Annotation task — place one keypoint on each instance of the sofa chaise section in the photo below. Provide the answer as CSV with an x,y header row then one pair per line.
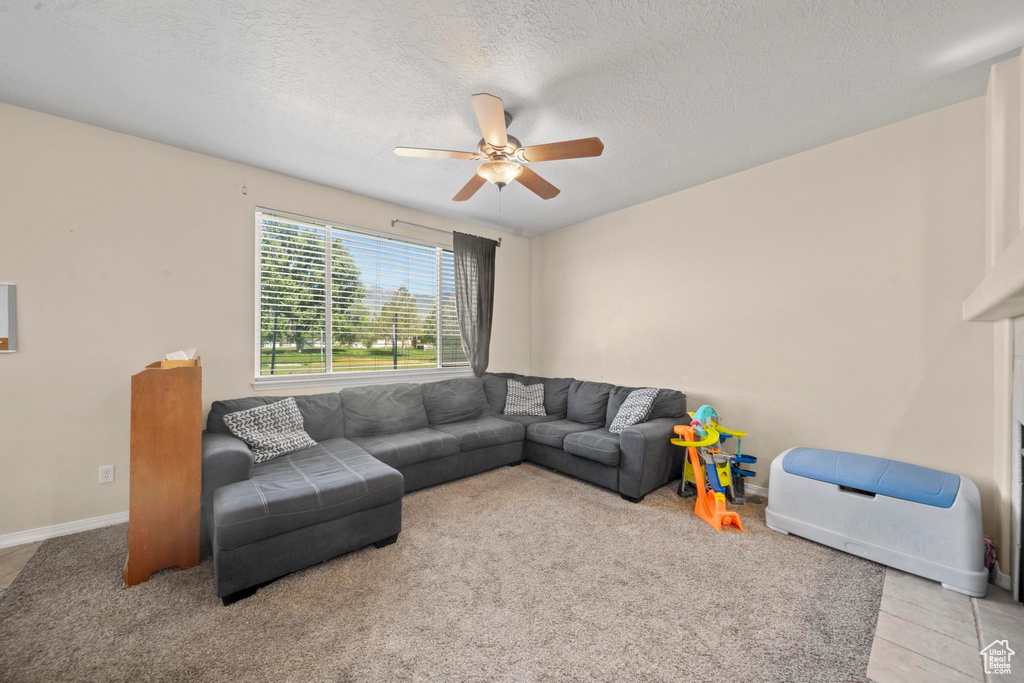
x,y
300,509
227,459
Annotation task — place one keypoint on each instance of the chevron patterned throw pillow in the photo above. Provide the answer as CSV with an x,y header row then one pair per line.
x,y
524,400
271,430
633,410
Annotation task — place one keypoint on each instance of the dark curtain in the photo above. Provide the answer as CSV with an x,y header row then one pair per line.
x,y
474,296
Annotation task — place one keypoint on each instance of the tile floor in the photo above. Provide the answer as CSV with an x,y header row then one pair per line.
x,y
12,560
927,633
924,632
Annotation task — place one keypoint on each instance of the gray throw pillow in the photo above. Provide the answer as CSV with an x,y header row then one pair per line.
x,y
634,409
271,430
524,400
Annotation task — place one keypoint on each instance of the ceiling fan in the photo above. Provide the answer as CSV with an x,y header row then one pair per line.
x,y
504,156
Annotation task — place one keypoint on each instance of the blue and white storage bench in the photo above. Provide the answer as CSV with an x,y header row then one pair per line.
x,y
913,518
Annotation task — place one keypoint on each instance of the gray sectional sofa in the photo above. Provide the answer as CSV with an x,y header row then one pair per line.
x,y
376,443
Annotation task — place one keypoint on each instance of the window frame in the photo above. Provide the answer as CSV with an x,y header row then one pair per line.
x,y
330,377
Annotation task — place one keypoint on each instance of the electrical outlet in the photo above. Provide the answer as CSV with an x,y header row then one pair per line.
x,y
107,474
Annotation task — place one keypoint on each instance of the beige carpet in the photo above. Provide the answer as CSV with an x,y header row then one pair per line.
x,y
519,574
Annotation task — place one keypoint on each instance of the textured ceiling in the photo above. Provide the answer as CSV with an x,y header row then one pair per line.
x,y
680,92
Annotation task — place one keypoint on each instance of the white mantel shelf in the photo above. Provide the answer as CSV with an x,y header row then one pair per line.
x,y
1001,294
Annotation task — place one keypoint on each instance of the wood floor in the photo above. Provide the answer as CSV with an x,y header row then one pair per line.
x,y
927,633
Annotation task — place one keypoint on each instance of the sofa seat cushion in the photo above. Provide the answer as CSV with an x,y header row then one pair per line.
x,y
554,432
409,448
331,480
527,420
483,432
598,445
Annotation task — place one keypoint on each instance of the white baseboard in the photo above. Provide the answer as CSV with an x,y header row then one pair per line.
x,y
756,490
45,532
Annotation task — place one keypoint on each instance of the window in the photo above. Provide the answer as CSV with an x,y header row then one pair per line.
x,y
336,300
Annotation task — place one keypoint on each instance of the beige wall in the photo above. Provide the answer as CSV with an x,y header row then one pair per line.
x,y
122,250
813,301
843,269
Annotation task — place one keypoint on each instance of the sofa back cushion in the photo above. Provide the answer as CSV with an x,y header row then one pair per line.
x,y
496,389
270,431
556,393
455,400
383,409
588,402
322,416
636,408
615,398
669,403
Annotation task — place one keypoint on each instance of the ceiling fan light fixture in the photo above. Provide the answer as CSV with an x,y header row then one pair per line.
x,y
504,156
500,172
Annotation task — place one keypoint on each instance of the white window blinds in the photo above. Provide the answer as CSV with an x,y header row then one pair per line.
x,y
391,301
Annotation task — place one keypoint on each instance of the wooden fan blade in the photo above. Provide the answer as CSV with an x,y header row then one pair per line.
x,y
435,153
490,113
470,188
570,149
537,185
